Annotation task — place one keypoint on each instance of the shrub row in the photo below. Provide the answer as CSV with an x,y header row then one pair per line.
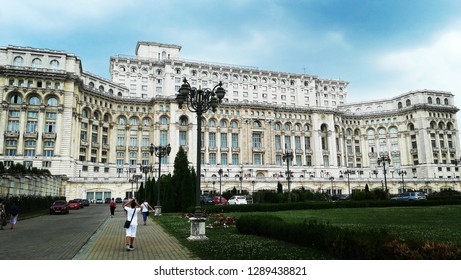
x,y
344,243
273,207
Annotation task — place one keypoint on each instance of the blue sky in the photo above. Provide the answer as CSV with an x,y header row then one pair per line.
x,y
383,48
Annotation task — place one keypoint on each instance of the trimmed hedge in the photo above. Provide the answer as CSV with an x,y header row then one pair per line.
x,y
274,207
344,243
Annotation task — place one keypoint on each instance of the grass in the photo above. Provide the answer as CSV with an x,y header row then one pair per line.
x,y
437,223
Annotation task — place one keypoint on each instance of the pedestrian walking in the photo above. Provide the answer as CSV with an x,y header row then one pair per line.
x,y
145,210
3,220
14,212
132,212
112,207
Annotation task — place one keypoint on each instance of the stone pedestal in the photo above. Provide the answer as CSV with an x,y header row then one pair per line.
x,y
197,229
158,210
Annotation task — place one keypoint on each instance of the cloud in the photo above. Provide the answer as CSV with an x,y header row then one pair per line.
x,y
434,65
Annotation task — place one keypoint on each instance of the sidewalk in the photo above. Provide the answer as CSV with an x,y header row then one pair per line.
x,y
151,242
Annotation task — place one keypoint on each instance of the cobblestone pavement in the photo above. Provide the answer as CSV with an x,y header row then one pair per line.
x,y
151,243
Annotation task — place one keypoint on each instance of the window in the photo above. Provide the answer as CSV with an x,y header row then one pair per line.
x,y
36,62
235,159
212,139
256,140
18,61
34,100
224,159
223,140
235,140
182,138
212,158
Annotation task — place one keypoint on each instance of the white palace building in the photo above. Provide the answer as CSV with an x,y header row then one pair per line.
x,y
97,132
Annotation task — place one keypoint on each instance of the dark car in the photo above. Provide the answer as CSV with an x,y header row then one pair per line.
x,y
118,200
59,207
206,200
107,200
86,202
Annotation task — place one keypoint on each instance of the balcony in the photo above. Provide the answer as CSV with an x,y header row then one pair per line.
x,y
258,149
95,145
414,151
298,151
236,149
84,143
49,135
133,148
32,134
12,134
224,149
212,149
120,148
105,146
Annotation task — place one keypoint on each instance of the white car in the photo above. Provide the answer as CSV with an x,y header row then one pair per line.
x,y
238,199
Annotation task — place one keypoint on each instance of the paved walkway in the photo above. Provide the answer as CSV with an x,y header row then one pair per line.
x,y
151,243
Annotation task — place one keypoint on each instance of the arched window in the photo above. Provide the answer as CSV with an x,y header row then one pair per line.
x,y
445,101
85,113
18,61
408,102
133,121
212,123
437,100
101,88
287,126
234,124
371,132
106,118
223,123
96,115
37,63
256,124
163,120
399,105
15,99
146,121
277,126
34,100
52,102
411,127
54,64
121,120
429,100
183,120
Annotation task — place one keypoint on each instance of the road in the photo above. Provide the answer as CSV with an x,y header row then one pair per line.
x,y
52,237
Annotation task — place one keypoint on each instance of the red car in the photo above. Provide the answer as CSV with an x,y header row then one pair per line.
x,y
219,200
59,206
74,204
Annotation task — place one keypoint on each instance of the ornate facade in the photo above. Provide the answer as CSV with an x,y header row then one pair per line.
x,y
97,132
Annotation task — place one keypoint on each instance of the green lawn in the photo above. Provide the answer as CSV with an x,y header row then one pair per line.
x,y
438,223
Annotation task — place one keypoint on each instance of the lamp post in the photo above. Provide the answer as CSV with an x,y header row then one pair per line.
x,y
241,179
199,101
332,179
402,173
159,151
287,156
220,191
214,182
253,182
348,172
146,169
134,179
383,159
131,180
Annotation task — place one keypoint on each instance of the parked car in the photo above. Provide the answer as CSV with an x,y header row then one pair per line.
x,y
59,206
206,200
86,202
118,200
219,200
98,201
107,200
74,204
410,196
238,199
80,201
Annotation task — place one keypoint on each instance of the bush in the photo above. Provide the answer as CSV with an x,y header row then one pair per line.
x,y
345,243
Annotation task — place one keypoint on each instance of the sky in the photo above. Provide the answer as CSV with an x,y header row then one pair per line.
x,y
383,48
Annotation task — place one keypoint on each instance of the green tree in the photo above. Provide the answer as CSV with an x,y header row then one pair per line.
x,y
183,183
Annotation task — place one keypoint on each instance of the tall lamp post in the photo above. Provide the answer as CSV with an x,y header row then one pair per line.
x,y
241,179
199,101
383,159
287,156
402,173
134,179
146,169
220,191
159,151
332,179
348,172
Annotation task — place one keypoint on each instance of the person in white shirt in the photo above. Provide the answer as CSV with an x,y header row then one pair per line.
x,y
145,210
132,212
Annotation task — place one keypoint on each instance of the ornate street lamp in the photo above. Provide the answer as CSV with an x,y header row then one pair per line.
x,y
220,191
134,179
402,173
241,179
159,151
332,179
199,101
348,172
146,169
383,159
287,156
